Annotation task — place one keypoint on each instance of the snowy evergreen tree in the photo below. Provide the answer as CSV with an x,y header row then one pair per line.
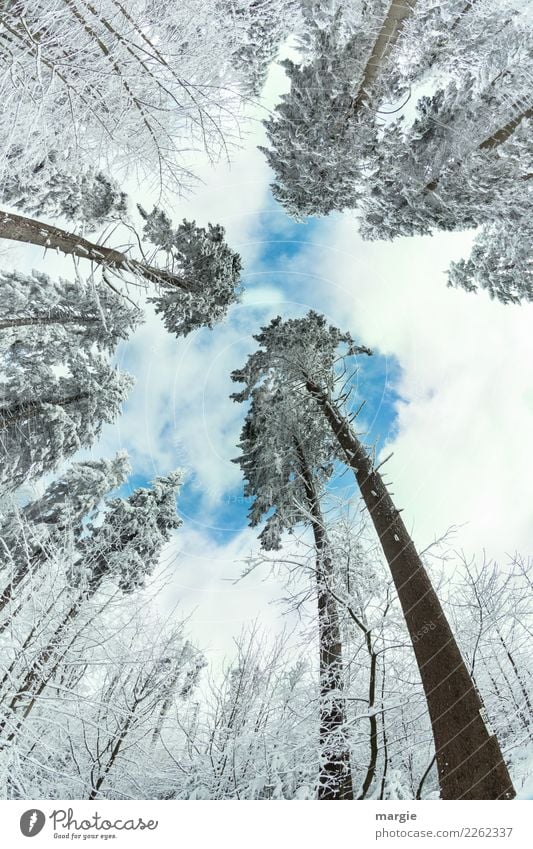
x,y
262,26
207,273
54,189
61,313
32,534
196,284
323,130
128,542
300,355
463,161
125,547
500,262
46,416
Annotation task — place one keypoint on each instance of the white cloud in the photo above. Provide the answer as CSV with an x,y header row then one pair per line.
x,y
200,577
466,416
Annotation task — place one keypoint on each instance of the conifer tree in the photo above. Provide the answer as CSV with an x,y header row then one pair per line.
x,y
287,459
61,312
299,356
31,534
195,285
204,271
124,548
46,416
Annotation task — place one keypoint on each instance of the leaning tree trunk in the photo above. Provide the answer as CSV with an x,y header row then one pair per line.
x,y
399,12
48,319
18,228
469,759
335,781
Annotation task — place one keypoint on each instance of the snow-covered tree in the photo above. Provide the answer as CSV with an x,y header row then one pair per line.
x,y
254,734
286,460
323,130
262,26
299,355
205,269
314,134
47,415
142,84
195,285
500,262
420,123
54,189
123,548
121,683
60,311
30,535
463,162
128,542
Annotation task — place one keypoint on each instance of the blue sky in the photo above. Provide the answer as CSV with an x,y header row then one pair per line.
x,y
273,262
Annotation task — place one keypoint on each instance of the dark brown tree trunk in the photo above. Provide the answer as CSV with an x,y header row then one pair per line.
x,y
469,760
335,781
384,734
18,228
37,674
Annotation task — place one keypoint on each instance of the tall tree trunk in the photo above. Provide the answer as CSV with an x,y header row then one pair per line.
x,y
469,759
384,738
18,228
49,318
335,780
399,12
